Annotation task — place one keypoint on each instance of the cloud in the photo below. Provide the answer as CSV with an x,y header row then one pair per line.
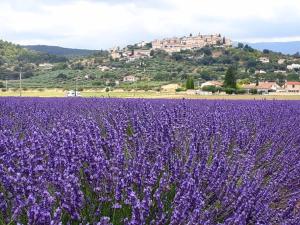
x,y
103,24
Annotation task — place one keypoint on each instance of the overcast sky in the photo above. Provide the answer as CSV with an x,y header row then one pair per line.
x,y
101,24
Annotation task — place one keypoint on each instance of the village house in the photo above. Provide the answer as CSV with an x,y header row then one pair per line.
x,y
280,71
87,62
292,86
127,53
46,66
264,59
212,83
281,61
260,72
130,78
217,54
266,87
139,53
142,44
115,53
293,66
262,87
32,66
136,54
103,68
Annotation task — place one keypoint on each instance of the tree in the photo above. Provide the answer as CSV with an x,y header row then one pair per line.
x,y
248,48
152,53
256,80
224,40
1,85
297,55
205,75
207,51
190,83
2,60
281,79
62,76
251,63
177,56
251,70
230,77
148,45
240,45
293,77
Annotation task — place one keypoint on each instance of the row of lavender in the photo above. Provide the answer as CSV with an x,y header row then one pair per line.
x,y
114,161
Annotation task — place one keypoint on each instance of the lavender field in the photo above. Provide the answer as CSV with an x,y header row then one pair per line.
x,y
125,161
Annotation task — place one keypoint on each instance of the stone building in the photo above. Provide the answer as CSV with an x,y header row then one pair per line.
x,y
192,42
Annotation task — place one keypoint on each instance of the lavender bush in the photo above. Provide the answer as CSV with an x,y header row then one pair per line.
x,y
114,161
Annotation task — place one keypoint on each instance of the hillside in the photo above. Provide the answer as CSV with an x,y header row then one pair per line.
x,y
13,58
152,72
11,53
283,47
151,68
60,51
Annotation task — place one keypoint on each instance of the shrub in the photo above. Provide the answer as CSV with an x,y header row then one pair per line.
x,y
240,91
230,90
62,76
97,83
253,91
211,88
180,89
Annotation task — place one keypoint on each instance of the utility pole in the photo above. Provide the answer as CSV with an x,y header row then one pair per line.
x,y
6,84
20,82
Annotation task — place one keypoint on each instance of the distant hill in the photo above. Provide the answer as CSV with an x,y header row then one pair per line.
x,y
14,57
11,53
60,51
283,47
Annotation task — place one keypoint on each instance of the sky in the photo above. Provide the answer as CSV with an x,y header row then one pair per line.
x,y
102,24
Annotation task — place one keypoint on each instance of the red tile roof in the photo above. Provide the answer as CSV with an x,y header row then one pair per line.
x,y
265,85
293,83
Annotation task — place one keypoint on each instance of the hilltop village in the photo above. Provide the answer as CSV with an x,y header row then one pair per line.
x,y
191,42
171,45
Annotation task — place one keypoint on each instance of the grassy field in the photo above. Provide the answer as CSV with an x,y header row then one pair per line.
x,y
141,94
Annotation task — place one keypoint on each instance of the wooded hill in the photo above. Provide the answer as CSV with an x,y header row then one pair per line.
x,y
59,51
